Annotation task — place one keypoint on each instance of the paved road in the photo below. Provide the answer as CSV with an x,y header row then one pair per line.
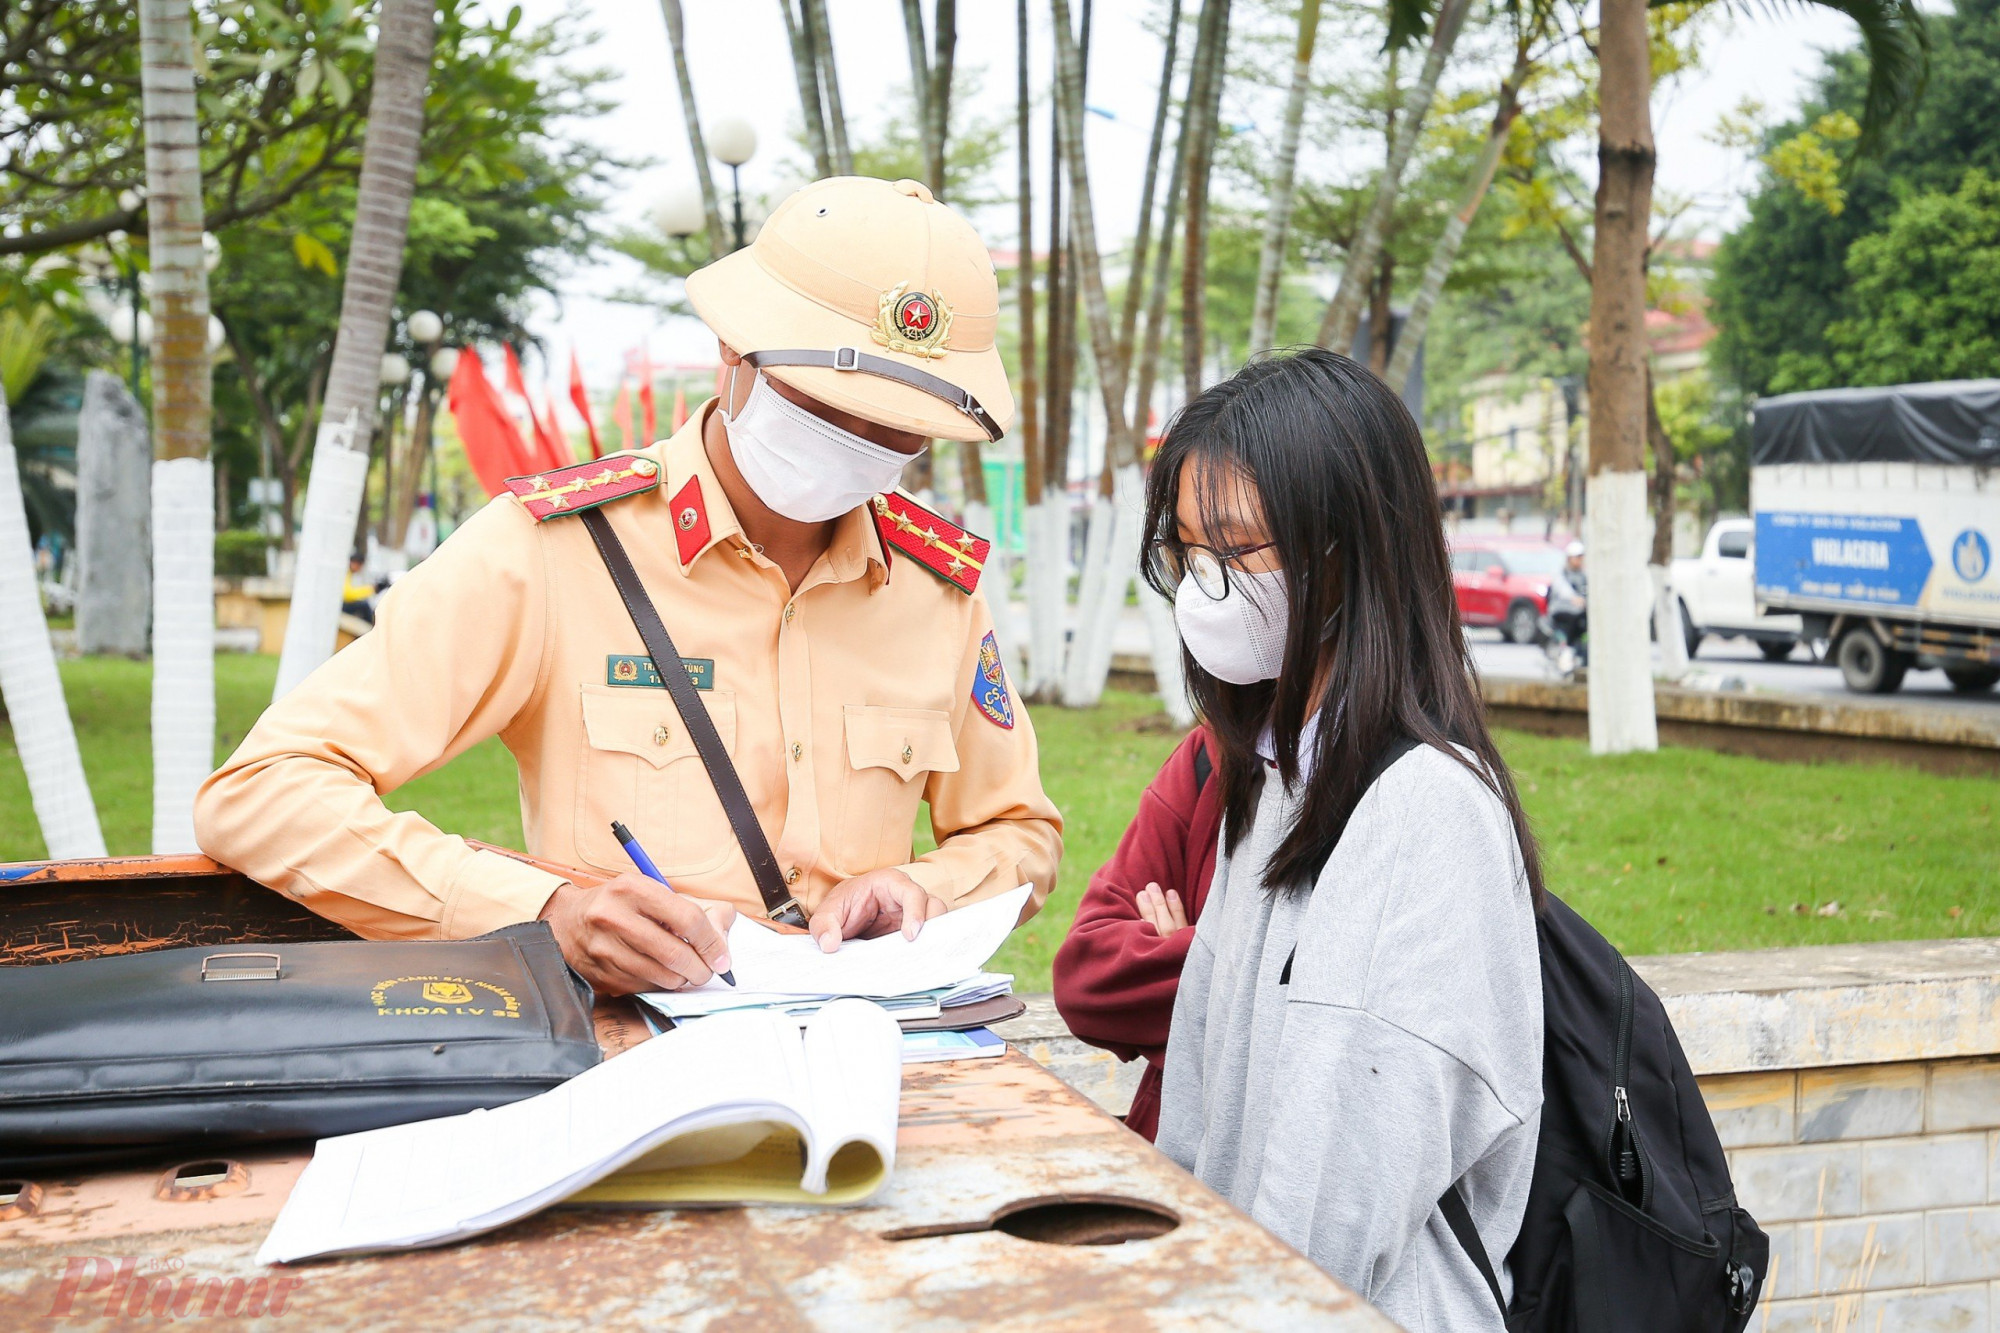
x,y
1718,658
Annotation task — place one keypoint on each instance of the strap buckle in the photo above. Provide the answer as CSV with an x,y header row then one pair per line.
x,y
238,967
847,358
789,913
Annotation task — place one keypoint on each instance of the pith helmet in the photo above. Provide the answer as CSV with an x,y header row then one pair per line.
x,y
872,297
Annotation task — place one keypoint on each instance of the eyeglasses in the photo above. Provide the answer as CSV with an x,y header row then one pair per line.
x,y
1209,565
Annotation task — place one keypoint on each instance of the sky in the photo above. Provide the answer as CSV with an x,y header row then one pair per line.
x,y
741,67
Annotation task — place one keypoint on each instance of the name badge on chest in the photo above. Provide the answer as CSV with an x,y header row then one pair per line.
x,y
637,669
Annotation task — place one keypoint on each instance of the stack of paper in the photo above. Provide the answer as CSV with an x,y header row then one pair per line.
x,y
939,970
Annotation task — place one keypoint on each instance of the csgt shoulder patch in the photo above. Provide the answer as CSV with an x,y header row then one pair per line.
x,y
989,685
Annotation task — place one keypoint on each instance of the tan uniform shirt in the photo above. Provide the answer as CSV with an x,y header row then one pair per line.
x,y
843,705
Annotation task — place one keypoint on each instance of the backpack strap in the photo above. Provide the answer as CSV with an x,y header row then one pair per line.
x,y
1459,1218
779,904
1204,765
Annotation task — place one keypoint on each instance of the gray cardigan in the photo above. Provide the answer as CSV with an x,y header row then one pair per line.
x,y
1404,1054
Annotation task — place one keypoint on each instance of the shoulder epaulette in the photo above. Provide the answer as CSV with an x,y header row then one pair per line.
x,y
581,486
932,540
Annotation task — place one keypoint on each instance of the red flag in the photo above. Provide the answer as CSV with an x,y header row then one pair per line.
x,y
621,412
492,441
544,448
646,394
581,400
680,407
548,434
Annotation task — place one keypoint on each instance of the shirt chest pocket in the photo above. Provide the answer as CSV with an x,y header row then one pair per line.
x,y
891,752
639,765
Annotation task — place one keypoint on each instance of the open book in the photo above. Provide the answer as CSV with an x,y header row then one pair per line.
x,y
741,1107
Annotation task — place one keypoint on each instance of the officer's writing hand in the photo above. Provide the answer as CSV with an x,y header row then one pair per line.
x,y
1162,911
870,905
631,934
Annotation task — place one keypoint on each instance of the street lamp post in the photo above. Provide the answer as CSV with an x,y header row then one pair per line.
x,y
734,142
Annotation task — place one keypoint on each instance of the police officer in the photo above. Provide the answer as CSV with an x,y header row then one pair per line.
x,y
834,634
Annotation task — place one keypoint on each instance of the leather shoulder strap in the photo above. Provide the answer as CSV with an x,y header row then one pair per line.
x,y
778,901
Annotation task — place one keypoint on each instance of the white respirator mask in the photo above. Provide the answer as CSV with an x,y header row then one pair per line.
x,y
1241,638
801,465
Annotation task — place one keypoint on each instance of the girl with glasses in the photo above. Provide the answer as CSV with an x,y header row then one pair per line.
x,y
1358,1027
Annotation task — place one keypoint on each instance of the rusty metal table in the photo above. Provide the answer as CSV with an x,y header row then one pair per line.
x,y
1015,1203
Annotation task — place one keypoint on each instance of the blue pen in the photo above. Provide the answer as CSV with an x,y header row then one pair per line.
x,y
649,870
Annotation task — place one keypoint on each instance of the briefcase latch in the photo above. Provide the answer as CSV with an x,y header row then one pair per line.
x,y
240,967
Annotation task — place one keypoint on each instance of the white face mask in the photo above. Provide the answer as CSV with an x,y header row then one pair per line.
x,y
1240,639
803,466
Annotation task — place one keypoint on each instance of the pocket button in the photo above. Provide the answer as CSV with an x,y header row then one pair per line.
x,y
907,752
661,735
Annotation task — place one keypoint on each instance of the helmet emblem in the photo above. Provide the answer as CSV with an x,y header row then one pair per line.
x,y
916,323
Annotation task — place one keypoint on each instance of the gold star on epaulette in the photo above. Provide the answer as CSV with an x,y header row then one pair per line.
x,y
965,541
930,537
558,501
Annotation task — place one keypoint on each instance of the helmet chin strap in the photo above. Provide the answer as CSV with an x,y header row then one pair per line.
x,y
853,359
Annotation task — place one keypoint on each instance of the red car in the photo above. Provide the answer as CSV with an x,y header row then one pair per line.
x,y
1504,582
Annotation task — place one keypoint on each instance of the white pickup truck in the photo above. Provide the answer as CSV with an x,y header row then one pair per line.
x,y
1717,592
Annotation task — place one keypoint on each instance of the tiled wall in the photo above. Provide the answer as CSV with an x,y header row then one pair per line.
x,y
1880,1187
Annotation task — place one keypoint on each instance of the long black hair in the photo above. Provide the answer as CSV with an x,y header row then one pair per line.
x,y
1374,645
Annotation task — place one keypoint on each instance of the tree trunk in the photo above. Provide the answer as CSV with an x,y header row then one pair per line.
x,y
711,204
183,500
1381,318
1343,313
1278,213
1621,679
30,686
829,78
938,104
339,478
1135,286
1198,143
1662,445
805,68
920,73
1445,252
1044,613
410,478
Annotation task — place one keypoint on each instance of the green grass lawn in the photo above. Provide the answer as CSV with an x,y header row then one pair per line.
x,y
1665,852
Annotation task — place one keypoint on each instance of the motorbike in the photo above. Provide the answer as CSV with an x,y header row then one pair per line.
x,y
1566,629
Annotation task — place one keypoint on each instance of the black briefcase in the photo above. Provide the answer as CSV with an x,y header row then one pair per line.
x,y
195,1050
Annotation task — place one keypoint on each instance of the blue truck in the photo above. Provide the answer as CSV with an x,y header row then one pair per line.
x,y
1877,516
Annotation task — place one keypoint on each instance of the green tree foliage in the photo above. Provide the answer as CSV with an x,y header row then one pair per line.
x,y
507,192
1783,280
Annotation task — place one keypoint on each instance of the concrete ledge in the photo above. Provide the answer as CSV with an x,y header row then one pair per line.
x,y
1770,726
1829,1005
1736,1013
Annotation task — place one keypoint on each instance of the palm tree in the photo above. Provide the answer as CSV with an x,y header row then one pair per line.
x,y
711,205
30,684
1211,53
805,69
1478,181
1343,313
1116,529
183,482
829,77
1278,215
406,36
1621,688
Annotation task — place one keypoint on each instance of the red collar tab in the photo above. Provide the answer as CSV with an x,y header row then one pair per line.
x,y
933,541
690,514
581,486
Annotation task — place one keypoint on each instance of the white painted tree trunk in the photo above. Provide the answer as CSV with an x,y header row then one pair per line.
x,y
31,685
1091,624
1667,624
183,503
1619,537
407,36
1165,640
1044,611
996,582
183,645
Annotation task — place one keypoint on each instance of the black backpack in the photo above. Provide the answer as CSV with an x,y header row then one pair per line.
x,y
1632,1224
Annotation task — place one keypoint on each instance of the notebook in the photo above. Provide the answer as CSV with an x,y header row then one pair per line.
x,y
920,1048
741,1107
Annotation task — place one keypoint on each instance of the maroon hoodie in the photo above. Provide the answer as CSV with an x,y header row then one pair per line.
x,y
1115,979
